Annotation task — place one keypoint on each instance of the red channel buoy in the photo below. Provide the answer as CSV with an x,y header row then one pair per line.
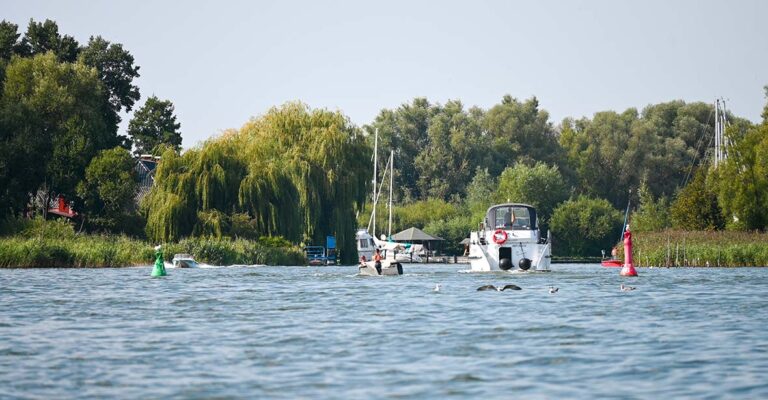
x,y
628,269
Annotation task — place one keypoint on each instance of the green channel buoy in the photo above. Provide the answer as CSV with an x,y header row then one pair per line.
x,y
159,269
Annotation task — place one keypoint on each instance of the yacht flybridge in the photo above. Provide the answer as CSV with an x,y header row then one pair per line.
x,y
509,239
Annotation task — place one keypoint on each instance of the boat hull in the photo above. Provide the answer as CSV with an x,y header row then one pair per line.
x,y
612,263
185,264
388,268
486,256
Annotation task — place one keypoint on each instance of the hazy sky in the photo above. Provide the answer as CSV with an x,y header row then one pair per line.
x,y
222,62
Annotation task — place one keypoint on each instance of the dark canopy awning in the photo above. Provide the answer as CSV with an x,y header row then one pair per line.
x,y
414,235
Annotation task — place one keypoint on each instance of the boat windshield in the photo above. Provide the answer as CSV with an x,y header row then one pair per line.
x,y
512,217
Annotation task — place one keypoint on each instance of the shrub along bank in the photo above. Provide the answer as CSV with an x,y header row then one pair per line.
x,y
119,251
53,243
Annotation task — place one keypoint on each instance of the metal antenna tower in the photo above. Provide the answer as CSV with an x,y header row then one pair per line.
x,y
721,141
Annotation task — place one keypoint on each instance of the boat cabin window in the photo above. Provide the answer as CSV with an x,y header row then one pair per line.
x,y
365,243
511,217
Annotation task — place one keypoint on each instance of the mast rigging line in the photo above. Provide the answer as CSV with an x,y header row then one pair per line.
x,y
376,199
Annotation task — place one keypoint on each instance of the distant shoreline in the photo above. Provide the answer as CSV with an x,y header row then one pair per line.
x,y
108,251
651,249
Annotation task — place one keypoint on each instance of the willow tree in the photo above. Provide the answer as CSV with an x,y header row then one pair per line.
x,y
296,172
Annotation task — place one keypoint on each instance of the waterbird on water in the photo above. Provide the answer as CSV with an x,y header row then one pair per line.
x,y
626,288
491,287
437,287
553,290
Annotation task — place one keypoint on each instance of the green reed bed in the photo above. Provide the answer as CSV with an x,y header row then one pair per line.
x,y
118,251
700,249
77,251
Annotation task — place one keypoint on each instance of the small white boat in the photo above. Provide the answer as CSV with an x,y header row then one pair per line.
x,y
182,260
389,266
389,263
509,239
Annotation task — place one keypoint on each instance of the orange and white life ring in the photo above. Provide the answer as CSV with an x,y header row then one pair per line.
x,y
500,236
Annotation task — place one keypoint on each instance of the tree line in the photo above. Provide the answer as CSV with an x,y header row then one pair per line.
x,y
581,173
60,106
303,173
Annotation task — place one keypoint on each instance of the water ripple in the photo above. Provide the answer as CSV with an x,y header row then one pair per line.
x,y
297,332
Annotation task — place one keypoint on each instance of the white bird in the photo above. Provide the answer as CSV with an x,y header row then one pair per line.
x,y
553,290
437,287
626,288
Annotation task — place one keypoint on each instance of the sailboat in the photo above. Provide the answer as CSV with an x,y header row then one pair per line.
x,y
613,262
367,244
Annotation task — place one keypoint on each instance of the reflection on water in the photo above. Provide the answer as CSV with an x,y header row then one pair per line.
x,y
288,332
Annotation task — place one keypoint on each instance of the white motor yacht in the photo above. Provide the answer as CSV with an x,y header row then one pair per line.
x,y
509,240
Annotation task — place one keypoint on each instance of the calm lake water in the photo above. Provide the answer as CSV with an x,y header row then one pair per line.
x,y
322,332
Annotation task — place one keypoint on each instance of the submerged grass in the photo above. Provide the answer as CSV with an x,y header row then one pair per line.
x,y
119,251
700,249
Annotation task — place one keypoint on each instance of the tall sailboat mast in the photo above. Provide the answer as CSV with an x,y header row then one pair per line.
x,y
391,182
375,172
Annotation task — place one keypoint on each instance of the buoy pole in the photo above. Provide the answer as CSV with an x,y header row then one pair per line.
x,y
159,269
628,269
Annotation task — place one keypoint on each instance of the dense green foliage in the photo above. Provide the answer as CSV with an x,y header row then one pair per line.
x,y
614,152
49,112
584,226
154,126
741,182
109,190
696,207
651,214
59,108
519,131
540,186
647,157
431,139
